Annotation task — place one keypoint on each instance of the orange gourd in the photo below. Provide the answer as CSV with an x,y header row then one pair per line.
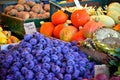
x,y
79,17
9,41
47,28
70,0
13,39
57,29
117,27
90,27
78,36
67,32
59,17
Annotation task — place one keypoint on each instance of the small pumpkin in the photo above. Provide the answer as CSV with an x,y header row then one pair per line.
x,y
47,28
117,27
106,20
78,36
79,17
90,27
57,29
67,32
114,15
115,6
59,17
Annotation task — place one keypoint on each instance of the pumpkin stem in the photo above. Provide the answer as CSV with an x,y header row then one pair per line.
x,y
65,24
68,22
97,19
80,27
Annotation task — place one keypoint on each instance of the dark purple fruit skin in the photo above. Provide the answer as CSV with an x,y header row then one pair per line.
x,y
38,57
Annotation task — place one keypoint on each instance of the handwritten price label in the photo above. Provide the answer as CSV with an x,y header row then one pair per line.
x,y
30,28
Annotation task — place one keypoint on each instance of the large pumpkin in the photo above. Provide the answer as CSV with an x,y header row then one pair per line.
x,y
78,36
90,27
57,29
67,32
79,17
47,28
59,17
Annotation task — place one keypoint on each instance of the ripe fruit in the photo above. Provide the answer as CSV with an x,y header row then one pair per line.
x,y
67,32
117,27
47,28
3,40
59,17
1,28
90,27
79,17
14,39
79,36
57,29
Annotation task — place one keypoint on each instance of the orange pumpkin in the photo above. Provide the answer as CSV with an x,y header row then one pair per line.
x,y
79,36
59,17
13,39
67,32
57,29
79,17
90,27
9,41
117,27
47,28
70,0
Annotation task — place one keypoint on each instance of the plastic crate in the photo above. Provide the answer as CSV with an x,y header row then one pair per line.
x,y
16,25
54,6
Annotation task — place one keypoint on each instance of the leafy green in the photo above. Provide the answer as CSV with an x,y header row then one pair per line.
x,y
113,62
117,50
117,73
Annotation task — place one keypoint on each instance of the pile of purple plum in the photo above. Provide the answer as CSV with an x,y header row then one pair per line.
x,y
38,57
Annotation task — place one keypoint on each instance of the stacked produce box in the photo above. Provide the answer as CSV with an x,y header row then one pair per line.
x,y
23,12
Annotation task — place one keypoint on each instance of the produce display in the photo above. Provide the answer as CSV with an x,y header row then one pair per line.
x,y
30,9
38,57
89,25
6,37
93,28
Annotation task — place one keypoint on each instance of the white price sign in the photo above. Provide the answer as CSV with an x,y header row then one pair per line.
x,y
30,28
101,69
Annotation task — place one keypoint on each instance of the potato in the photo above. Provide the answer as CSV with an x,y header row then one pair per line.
x,y
13,12
19,7
25,15
40,16
8,8
42,11
33,14
37,8
47,7
19,14
46,15
26,7
21,1
31,3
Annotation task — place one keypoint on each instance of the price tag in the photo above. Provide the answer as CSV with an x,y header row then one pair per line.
x,y
101,69
30,28
77,3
